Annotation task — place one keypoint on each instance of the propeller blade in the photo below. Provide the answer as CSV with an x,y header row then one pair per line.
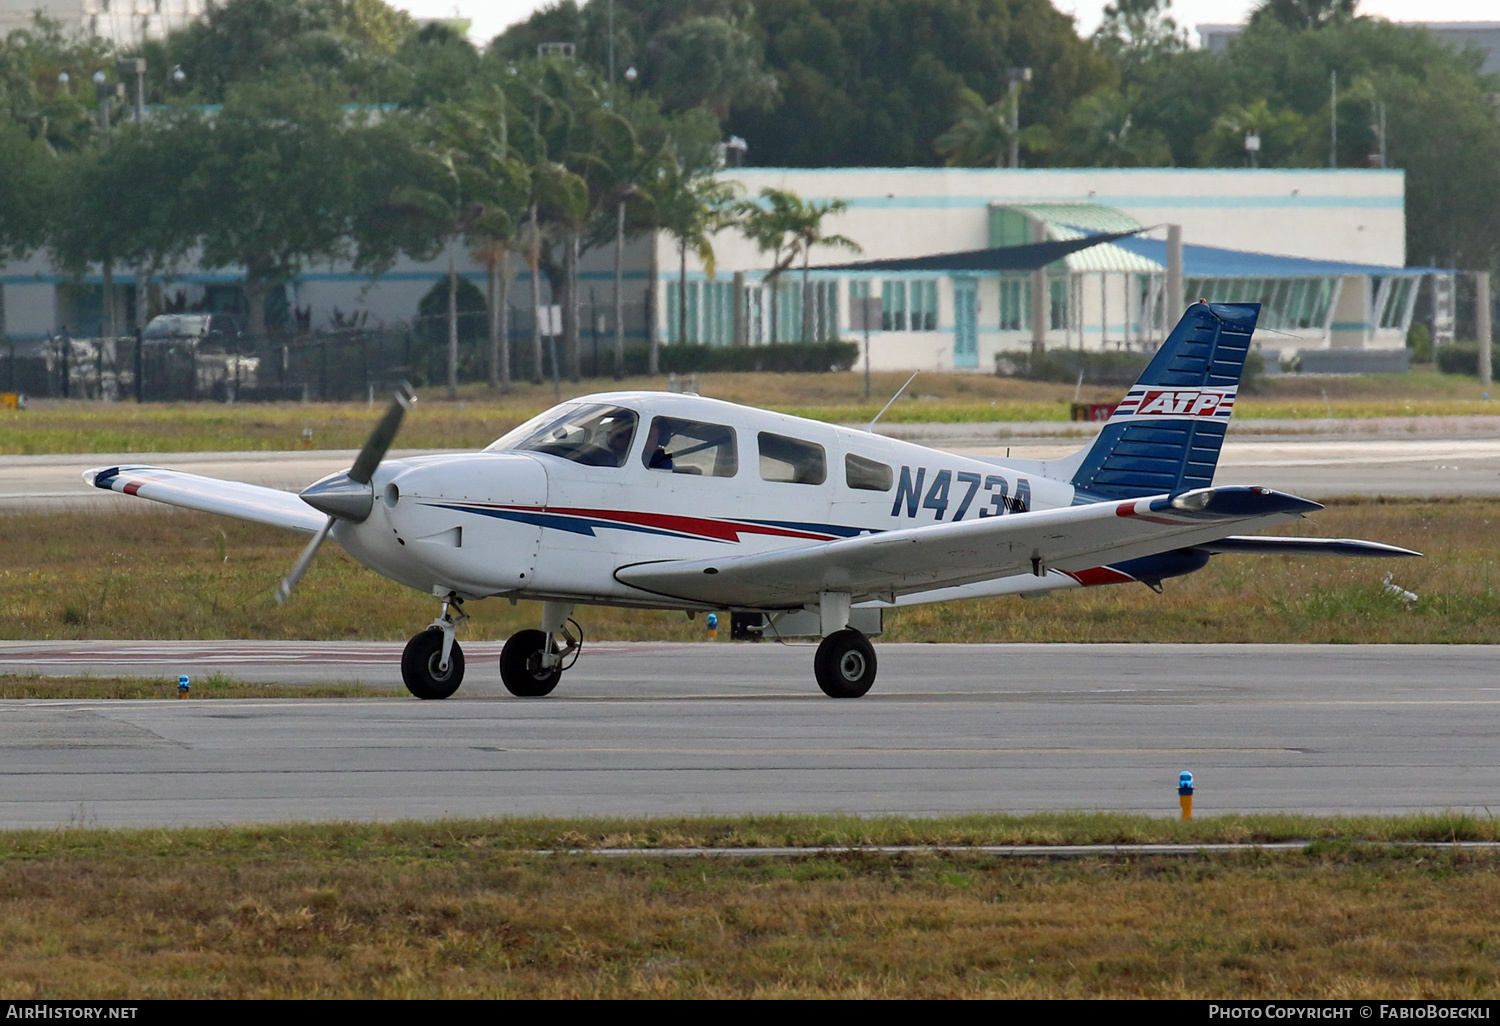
x,y
381,438
284,589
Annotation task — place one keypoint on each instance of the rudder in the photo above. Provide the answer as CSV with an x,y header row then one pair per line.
x,y
1166,434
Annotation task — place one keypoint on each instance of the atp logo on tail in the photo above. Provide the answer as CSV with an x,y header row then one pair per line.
x,y
1156,401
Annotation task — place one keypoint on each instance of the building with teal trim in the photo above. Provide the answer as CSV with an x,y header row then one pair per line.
x,y
1323,250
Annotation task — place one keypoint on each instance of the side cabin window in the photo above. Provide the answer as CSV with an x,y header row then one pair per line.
x,y
868,475
595,435
791,460
691,447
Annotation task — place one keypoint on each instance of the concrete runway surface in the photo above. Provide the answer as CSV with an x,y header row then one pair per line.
x,y
668,729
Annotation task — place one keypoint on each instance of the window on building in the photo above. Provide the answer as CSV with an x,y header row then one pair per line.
x,y
1397,292
909,305
1015,304
691,447
791,460
1286,303
867,475
1057,303
789,311
710,313
893,306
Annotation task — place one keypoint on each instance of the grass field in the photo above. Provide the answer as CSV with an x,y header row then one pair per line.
x,y
479,417
468,909
159,573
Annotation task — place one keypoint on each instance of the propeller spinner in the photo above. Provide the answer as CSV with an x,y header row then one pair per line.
x,y
348,495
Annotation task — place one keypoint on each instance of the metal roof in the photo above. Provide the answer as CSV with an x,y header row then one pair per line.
x,y
1067,221
1213,262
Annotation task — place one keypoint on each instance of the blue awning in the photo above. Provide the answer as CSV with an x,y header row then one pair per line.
x,y
1212,262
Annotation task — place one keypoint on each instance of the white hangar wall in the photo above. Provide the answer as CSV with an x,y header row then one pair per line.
x,y
1345,216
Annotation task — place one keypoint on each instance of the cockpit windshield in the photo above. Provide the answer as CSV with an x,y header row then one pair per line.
x,y
594,435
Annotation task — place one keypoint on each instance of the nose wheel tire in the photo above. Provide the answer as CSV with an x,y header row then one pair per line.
x,y
420,666
521,666
845,664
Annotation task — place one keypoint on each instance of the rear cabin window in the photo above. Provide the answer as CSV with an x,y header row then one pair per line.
x,y
595,435
791,460
691,447
868,475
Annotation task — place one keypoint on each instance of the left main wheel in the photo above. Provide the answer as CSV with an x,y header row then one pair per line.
x,y
420,666
845,664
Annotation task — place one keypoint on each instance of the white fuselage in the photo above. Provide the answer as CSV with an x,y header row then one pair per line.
x,y
529,524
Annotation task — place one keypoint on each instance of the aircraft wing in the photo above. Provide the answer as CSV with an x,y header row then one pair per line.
x,y
924,558
210,495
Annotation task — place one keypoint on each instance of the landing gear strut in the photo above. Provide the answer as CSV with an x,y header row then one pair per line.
x,y
532,662
433,664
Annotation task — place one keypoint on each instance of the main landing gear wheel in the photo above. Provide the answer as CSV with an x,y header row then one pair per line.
x,y
421,666
845,664
521,667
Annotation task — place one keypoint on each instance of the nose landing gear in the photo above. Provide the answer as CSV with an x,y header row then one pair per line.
x,y
432,666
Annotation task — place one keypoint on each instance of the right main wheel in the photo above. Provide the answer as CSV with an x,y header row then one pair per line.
x,y
521,666
845,664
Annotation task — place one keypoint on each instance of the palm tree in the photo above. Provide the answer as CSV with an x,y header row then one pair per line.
x,y
784,225
690,205
1103,132
981,137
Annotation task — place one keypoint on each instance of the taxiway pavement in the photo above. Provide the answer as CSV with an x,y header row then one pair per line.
x,y
1414,457
676,729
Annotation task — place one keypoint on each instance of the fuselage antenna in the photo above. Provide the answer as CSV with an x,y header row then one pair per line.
x,y
887,406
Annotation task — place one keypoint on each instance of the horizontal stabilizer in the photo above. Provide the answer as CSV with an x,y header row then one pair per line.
x,y
1306,547
255,503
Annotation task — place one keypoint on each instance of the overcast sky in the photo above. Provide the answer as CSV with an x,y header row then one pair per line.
x,y
490,17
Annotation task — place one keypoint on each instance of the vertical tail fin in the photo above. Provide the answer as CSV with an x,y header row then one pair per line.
x,y
1166,434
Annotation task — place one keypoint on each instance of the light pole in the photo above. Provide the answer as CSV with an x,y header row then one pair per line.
x,y
1016,76
625,194
135,66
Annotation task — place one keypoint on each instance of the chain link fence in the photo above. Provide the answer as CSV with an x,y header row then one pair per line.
x,y
342,364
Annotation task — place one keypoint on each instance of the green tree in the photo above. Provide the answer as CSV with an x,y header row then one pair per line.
x,y
353,44
981,137
1102,131
710,62
1304,15
45,82
876,83
280,184
1441,127
28,171
1282,135
124,203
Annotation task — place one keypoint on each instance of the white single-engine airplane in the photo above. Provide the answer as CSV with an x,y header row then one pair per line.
x,y
669,501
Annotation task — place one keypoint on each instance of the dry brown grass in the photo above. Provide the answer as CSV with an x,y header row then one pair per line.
x,y
156,573
449,910
480,416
